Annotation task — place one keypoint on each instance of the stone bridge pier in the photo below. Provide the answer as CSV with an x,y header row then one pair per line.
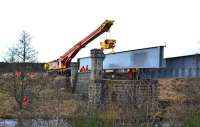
x,y
74,67
95,85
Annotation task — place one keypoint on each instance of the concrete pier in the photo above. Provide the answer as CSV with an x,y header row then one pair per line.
x,y
74,66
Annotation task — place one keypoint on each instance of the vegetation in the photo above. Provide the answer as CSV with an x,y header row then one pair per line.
x,y
89,116
193,120
20,85
182,103
22,52
90,122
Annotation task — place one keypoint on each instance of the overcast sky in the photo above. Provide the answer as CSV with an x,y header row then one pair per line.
x,y
57,25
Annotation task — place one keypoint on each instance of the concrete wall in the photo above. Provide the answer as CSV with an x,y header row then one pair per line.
x,y
82,83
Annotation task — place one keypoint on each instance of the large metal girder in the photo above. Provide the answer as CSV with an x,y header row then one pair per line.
x,y
152,57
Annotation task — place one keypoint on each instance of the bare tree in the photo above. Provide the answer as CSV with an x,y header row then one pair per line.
x,y
20,82
24,51
10,57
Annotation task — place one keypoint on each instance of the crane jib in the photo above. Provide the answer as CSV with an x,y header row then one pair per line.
x,y
64,61
84,42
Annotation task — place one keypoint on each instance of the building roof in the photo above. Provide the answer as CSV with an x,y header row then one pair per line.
x,y
183,56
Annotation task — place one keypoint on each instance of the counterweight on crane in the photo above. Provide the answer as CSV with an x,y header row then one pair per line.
x,y
62,63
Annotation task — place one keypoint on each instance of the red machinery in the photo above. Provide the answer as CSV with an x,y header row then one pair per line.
x,y
62,63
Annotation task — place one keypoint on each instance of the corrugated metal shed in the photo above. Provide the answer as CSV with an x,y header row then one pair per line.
x,y
188,61
176,67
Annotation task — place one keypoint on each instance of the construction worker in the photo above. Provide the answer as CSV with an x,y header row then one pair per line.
x,y
134,74
86,69
82,69
25,102
138,74
18,73
130,74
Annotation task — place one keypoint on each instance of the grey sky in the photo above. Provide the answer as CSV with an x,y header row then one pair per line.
x,y
57,25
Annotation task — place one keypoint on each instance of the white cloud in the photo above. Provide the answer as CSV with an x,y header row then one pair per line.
x,y
57,25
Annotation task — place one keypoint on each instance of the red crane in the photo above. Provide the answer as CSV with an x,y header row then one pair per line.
x,y
62,63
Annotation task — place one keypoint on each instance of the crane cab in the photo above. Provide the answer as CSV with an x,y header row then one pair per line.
x,y
46,66
108,44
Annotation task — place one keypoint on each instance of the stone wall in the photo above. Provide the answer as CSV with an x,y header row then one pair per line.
x,y
126,91
120,88
129,100
134,101
97,89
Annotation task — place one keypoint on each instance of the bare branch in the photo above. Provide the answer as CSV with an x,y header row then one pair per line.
x,y
23,51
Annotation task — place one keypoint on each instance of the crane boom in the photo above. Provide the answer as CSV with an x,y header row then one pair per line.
x,y
64,61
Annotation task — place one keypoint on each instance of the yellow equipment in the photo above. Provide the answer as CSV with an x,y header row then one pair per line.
x,y
46,66
108,44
